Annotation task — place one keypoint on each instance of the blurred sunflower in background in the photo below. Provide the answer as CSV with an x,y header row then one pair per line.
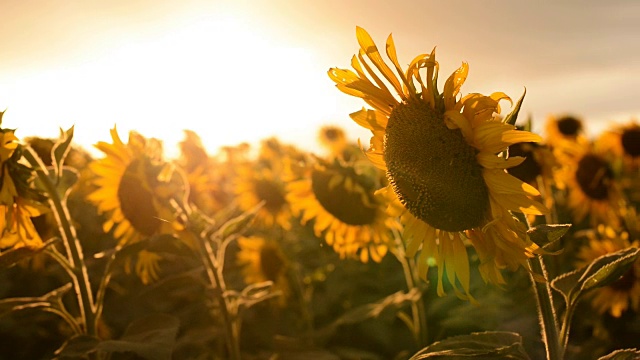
x,y
132,189
264,181
592,189
564,128
538,169
622,144
340,200
262,260
439,153
623,294
19,203
207,176
333,139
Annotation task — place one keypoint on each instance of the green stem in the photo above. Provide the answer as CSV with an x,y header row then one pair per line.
x,y
209,259
68,318
566,326
79,276
546,312
417,307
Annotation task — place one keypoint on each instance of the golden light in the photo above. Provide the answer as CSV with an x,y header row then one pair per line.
x,y
222,76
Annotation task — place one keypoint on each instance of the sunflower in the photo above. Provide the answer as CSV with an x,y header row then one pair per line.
x,y
263,260
538,169
564,128
341,201
207,177
264,181
8,146
19,203
439,152
256,185
333,139
622,142
131,192
590,183
617,297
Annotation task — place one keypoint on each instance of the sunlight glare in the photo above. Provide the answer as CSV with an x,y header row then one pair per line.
x,y
219,76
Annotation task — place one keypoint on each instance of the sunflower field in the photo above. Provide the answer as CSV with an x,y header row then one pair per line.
x,y
456,232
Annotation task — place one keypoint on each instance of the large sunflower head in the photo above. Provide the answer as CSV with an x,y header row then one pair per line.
x,y
590,183
261,260
624,293
132,190
341,201
440,154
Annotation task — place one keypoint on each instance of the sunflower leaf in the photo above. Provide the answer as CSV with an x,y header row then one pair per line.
x,y
151,337
512,117
622,354
77,347
545,234
600,272
238,223
10,257
485,345
60,150
358,314
163,243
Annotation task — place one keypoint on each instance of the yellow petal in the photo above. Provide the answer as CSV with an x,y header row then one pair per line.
x,y
453,85
370,49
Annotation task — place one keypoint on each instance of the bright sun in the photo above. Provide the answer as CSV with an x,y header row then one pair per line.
x,y
220,76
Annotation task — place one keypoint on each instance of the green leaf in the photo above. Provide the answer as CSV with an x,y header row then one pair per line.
x,y
158,244
485,345
12,256
77,347
239,223
60,150
151,337
626,354
512,117
545,234
393,302
600,272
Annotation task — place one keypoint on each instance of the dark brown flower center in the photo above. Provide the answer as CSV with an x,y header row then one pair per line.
x,y
271,193
136,201
332,134
631,141
433,170
569,126
529,169
271,261
594,176
350,206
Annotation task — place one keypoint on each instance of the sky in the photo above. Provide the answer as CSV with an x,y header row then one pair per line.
x,y
236,71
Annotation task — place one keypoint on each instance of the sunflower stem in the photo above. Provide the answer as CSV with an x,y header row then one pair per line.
x,y
210,260
566,325
79,275
418,315
546,312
